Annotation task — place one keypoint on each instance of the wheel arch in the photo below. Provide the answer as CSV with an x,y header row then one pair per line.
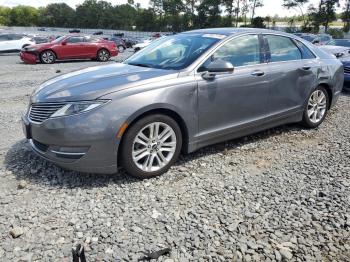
x,y
159,109
329,91
49,49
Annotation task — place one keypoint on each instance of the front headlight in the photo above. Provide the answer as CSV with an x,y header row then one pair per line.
x,y
78,107
30,49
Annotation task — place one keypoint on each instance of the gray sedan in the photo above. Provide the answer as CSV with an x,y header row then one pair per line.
x,y
179,94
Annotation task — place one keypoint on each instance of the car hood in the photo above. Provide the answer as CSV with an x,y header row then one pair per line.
x,y
94,82
39,46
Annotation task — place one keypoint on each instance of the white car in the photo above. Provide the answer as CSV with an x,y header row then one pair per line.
x,y
142,44
14,42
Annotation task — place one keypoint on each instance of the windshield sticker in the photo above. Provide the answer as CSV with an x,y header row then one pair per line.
x,y
214,36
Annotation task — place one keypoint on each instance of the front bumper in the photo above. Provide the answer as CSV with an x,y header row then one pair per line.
x,y
114,52
27,57
85,142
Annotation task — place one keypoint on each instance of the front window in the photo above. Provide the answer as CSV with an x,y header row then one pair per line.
x,y
241,51
58,40
174,52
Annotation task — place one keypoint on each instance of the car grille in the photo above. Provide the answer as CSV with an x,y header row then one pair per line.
x,y
347,70
39,112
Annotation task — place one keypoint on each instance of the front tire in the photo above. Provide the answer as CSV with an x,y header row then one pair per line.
x,y
151,146
103,55
47,57
316,109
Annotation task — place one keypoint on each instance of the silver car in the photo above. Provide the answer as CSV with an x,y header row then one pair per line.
x,y
179,94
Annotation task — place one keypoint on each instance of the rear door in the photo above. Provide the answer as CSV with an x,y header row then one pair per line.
x,y
90,46
291,72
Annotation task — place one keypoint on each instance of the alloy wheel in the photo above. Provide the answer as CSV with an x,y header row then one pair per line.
x,y
121,49
103,55
317,106
47,57
154,146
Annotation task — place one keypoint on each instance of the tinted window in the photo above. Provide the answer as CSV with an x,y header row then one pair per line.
x,y
306,52
3,38
282,49
240,51
91,39
341,42
75,39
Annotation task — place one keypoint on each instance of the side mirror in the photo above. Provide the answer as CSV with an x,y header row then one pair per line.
x,y
217,67
316,41
63,43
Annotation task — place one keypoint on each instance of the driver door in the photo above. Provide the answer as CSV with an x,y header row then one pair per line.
x,y
233,101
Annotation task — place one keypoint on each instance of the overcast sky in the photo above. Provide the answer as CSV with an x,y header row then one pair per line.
x,y
271,7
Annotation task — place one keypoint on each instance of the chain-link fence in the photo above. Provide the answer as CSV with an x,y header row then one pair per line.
x,y
62,31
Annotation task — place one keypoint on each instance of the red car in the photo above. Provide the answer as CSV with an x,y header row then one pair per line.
x,y
70,47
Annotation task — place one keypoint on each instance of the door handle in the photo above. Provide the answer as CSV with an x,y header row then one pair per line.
x,y
306,67
258,73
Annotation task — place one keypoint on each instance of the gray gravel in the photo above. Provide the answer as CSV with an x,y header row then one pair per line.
x,y
283,194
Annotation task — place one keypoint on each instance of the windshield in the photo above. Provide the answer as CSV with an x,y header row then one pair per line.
x,y
173,52
56,41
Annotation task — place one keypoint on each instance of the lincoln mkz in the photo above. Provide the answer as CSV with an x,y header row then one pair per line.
x,y
179,94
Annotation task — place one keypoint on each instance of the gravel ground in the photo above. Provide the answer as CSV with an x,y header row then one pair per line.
x,y
282,194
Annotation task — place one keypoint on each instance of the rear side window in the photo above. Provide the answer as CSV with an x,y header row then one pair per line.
x,y
241,51
75,39
282,49
306,52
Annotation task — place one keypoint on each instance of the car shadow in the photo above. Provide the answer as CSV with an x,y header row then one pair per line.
x,y
26,165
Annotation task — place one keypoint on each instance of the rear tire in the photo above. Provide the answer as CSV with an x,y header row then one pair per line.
x,y
121,49
150,146
103,55
316,108
47,57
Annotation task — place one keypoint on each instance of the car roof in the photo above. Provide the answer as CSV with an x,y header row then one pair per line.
x,y
232,31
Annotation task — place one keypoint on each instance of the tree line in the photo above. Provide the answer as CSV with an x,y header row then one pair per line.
x,y
171,15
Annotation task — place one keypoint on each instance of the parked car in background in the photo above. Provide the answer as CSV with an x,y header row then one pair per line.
x,y
339,42
308,37
142,44
129,41
343,54
322,39
70,47
74,31
43,39
119,42
14,42
180,93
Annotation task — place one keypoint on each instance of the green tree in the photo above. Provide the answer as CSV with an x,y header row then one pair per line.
x,y
5,15
145,20
123,17
209,14
324,14
296,4
23,16
345,16
173,10
253,5
57,15
94,14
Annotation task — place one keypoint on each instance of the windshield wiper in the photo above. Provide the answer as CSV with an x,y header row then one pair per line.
x,y
139,64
